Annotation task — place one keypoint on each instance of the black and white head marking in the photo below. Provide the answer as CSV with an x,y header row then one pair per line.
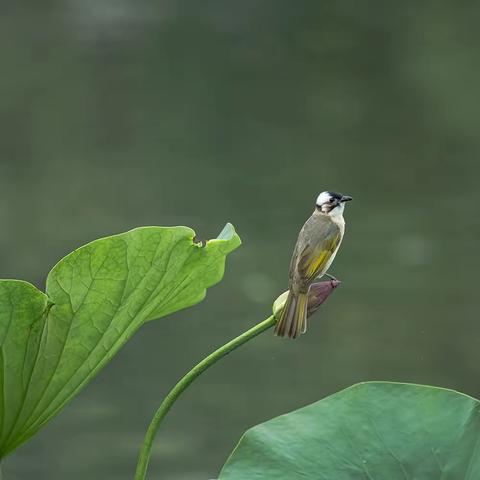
x,y
332,203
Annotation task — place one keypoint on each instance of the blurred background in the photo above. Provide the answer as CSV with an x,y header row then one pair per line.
x,y
121,113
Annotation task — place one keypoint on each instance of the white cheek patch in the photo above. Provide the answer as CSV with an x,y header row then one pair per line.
x,y
338,210
323,198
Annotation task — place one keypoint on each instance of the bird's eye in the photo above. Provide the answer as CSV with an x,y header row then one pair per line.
x,y
331,200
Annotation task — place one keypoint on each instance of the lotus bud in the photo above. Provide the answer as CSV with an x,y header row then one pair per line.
x,y
317,294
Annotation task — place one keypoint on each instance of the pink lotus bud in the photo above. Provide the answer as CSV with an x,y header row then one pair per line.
x,y
317,294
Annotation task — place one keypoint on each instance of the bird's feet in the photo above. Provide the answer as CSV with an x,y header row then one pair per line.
x,y
331,277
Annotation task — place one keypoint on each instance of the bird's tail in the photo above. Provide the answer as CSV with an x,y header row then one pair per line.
x,y
293,319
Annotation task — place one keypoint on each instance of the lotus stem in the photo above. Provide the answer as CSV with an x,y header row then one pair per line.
x,y
184,383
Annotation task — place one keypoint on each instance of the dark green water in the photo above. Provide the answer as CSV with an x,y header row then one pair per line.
x,y
120,113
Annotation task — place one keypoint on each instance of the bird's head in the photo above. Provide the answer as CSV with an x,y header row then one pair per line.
x,y
332,203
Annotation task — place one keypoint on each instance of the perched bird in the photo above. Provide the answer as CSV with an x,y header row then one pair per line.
x,y
316,247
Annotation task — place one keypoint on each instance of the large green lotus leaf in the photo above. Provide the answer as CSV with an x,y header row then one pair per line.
x,y
96,298
371,431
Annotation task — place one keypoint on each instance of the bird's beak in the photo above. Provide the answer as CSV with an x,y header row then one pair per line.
x,y
346,198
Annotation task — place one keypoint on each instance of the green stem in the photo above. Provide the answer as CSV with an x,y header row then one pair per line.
x,y
183,384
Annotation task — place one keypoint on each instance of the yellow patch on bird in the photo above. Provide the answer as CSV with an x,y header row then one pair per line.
x,y
318,263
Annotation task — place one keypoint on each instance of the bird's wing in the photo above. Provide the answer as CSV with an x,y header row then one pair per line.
x,y
322,239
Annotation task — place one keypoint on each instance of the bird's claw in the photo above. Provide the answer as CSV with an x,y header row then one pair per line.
x,y
331,277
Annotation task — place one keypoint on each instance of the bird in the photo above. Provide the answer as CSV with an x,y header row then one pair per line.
x,y
314,252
